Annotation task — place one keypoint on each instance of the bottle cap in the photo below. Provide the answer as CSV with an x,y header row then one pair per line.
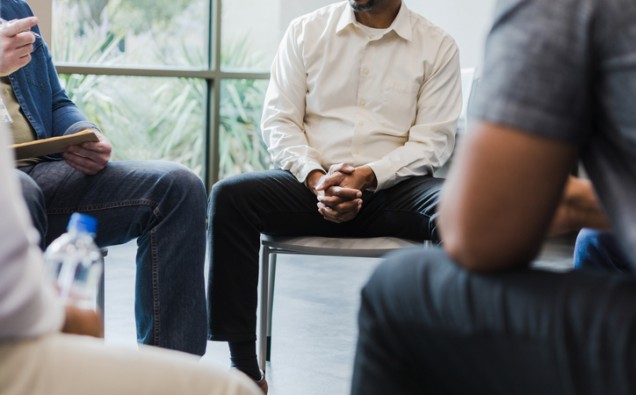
x,y
82,223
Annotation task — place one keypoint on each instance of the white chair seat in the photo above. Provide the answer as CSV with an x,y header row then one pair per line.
x,y
347,246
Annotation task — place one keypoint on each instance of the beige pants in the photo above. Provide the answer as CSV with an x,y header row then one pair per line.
x,y
77,365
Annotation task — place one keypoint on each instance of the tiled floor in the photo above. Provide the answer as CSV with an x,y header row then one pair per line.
x,y
314,328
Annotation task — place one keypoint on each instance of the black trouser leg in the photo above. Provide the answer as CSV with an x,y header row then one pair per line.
x,y
428,326
274,202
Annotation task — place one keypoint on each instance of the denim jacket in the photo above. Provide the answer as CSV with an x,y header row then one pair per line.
x,y
37,87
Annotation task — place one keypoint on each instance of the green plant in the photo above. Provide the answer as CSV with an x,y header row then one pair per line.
x,y
163,118
241,146
145,118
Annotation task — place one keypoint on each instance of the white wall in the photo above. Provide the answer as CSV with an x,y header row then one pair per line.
x,y
42,9
295,8
468,21
258,21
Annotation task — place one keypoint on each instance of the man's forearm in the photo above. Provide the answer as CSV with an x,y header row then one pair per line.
x,y
511,206
367,177
579,208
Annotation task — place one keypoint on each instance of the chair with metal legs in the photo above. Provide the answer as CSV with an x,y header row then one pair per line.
x,y
374,247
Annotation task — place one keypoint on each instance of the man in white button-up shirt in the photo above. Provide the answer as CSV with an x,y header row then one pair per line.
x,y
361,109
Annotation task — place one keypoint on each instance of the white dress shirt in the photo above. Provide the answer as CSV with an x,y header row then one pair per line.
x,y
341,92
29,306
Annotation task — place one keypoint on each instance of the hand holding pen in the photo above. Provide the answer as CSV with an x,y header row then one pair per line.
x,y
16,43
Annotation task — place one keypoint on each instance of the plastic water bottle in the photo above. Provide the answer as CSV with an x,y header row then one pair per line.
x,y
75,262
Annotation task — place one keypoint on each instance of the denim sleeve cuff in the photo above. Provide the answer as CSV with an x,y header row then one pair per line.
x,y
79,126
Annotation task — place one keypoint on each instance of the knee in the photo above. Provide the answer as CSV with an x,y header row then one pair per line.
x,y
587,238
598,250
587,247
405,276
229,193
184,183
384,277
398,294
394,278
31,192
34,199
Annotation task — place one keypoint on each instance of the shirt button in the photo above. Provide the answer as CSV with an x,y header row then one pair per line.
x,y
365,72
363,103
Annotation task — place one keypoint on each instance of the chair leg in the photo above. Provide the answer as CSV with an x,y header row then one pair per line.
x,y
264,314
270,302
101,295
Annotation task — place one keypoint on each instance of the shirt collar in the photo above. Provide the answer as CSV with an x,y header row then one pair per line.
x,y
401,24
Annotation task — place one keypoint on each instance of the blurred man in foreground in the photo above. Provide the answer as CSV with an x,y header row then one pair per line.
x,y
559,84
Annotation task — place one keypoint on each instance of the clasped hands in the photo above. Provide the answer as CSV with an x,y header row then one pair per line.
x,y
339,192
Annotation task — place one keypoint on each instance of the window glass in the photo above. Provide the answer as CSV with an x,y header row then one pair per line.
x,y
131,32
241,146
145,117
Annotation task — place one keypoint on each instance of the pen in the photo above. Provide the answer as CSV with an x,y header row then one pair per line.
x,y
6,22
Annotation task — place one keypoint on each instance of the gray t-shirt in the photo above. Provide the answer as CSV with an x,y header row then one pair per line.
x,y
566,70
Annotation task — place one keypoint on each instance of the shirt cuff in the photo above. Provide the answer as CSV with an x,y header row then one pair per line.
x,y
79,126
384,175
304,170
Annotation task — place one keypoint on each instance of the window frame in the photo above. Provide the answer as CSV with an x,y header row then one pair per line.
x,y
212,74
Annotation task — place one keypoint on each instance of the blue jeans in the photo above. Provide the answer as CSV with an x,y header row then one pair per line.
x,y
427,326
163,206
598,250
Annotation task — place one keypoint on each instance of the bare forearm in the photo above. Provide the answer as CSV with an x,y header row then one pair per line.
x,y
579,208
500,197
365,178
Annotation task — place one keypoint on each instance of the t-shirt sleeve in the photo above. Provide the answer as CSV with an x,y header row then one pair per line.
x,y
536,72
